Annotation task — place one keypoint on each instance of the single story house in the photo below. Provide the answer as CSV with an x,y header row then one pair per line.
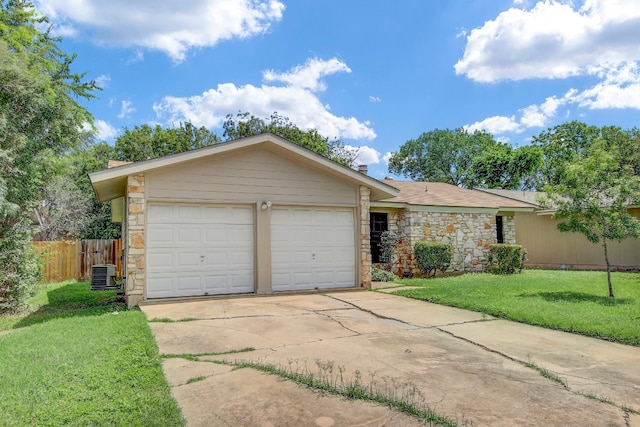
x,y
547,247
469,220
254,215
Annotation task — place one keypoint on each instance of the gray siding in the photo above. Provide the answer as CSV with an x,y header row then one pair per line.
x,y
250,176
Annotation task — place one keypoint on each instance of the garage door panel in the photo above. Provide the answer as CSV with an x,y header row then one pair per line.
x,y
188,283
309,245
242,282
199,249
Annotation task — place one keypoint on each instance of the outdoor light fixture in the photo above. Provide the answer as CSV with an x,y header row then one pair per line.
x,y
266,205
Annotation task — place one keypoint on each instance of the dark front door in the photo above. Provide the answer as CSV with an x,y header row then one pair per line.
x,y
379,223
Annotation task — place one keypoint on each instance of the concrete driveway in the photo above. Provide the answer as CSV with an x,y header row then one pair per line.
x,y
473,369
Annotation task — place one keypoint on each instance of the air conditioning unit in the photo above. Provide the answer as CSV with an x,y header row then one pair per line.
x,y
103,277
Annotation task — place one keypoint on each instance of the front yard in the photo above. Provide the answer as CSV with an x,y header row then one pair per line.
x,y
80,358
573,301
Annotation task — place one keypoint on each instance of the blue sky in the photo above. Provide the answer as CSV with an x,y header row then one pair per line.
x,y
374,74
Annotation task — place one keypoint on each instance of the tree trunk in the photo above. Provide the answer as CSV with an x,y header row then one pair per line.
x,y
606,258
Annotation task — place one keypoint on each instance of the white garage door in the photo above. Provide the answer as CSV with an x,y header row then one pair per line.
x,y
199,250
312,248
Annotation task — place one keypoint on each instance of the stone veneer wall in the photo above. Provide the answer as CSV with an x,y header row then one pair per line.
x,y
509,229
365,238
470,234
135,243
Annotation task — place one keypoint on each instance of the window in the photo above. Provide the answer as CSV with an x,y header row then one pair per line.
x,y
499,230
379,223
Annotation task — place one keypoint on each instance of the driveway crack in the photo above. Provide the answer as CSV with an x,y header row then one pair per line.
x,y
381,316
323,313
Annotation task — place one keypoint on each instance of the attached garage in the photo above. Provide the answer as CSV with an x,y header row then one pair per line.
x,y
312,248
199,249
255,215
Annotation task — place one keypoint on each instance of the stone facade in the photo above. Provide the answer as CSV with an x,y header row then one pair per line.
x,y
135,243
365,238
469,233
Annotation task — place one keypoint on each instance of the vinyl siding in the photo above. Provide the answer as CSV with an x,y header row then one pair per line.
x,y
249,176
548,247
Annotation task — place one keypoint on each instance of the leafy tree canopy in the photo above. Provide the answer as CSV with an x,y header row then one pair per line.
x,y
39,117
146,142
598,186
246,124
464,159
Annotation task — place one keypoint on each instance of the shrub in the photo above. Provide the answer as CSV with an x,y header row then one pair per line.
x,y
388,243
379,275
19,270
433,256
505,259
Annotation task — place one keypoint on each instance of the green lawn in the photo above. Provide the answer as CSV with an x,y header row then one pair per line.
x,y
573,301
81,358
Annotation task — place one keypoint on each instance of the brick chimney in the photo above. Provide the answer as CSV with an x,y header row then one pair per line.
x,y
363,169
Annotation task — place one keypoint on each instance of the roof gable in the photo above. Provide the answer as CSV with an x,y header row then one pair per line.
x,y
111,183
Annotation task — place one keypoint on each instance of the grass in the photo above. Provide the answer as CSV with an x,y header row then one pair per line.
x,y
78,357
405,397
572,301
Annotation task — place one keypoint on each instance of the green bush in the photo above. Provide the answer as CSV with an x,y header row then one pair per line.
x,y
19,270
505,259
379,275
388,243
433,256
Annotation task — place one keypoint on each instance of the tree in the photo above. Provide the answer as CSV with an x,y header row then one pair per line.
x,y
146,142
441,156
465,159
501,166
596,190
246,124
38,112
562,145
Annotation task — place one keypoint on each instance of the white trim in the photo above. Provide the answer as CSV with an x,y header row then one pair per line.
x,y
235,202
453,209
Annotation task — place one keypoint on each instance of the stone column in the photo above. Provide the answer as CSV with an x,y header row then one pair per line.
x,y
135,241
365,238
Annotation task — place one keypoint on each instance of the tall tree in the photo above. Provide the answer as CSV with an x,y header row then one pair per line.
x,y
597,188
441,155
246,124
465,159
146,142
39,111
562,145
501,166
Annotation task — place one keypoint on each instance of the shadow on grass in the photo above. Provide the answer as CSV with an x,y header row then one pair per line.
x,y
73,300
569,296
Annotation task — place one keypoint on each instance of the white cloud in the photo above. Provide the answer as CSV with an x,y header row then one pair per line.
x,y
496,125
374,99
103,80
172,27
309,75
138,56
539,115
298,103
552,40
125,109
619,88
105,130
387,157
365,155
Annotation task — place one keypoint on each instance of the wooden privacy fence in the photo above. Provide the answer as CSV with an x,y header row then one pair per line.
x,y
68,260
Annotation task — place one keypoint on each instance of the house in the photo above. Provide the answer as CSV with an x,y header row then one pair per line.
x,y
254,215
468,220
547,247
